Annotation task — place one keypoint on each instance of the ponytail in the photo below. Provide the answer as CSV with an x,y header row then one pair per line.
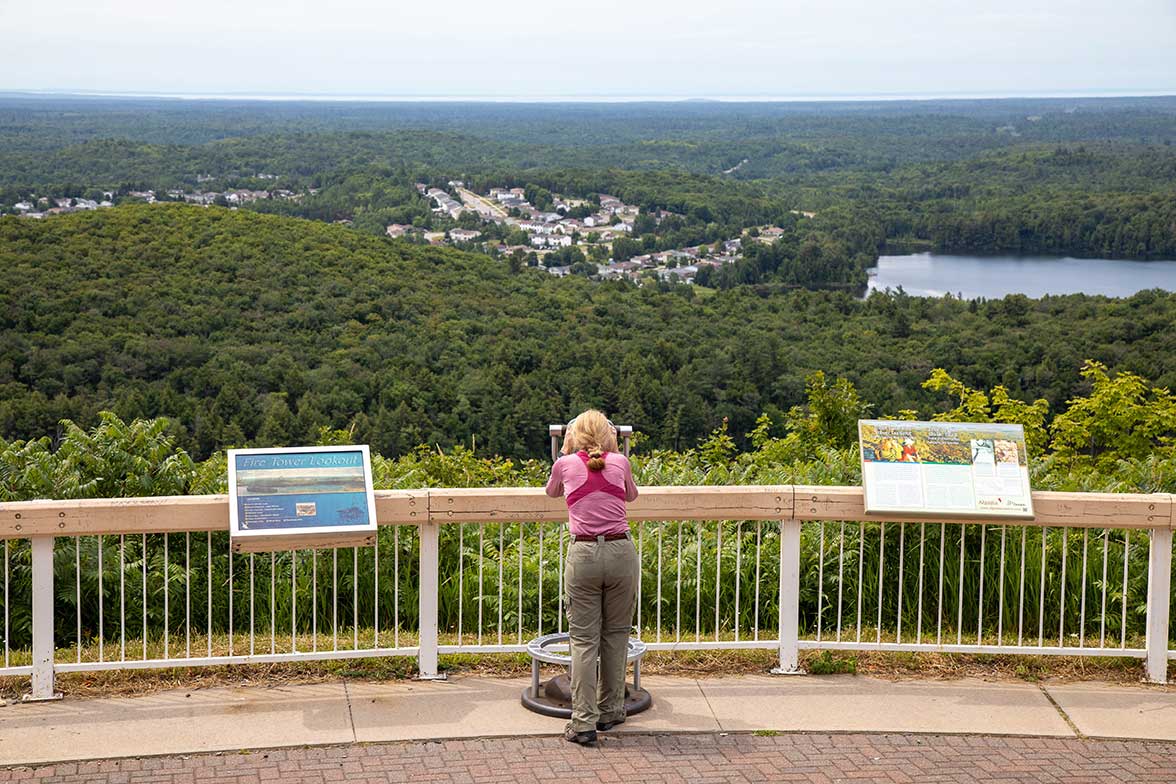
x,y
595,459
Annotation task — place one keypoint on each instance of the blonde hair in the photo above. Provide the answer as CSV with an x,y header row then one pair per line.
x,y
591,432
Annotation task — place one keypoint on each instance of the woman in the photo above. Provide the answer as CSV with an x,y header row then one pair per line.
x,y
600,580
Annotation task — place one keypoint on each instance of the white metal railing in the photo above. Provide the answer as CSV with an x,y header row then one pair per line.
x,y
141,583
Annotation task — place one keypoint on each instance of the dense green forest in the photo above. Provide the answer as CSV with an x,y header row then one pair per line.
x,y
1084,177
256,329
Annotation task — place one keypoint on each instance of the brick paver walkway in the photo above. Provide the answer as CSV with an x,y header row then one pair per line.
x,y
651,759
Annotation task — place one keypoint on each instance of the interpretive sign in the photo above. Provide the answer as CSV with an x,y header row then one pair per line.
x,y
300,496
945,469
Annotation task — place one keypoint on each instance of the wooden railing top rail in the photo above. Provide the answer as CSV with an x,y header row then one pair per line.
x,y
90,516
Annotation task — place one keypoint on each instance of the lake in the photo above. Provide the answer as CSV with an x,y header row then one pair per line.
x,y
936,274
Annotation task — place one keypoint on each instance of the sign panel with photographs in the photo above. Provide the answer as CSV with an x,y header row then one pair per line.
x,y
945,469
279,498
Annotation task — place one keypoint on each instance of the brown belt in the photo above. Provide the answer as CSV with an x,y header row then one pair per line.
x,y
606,537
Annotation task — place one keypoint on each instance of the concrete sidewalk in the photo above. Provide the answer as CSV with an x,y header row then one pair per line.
x,y
222,719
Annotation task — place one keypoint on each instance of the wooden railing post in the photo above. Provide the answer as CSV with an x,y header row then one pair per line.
x,y
428,600
1159,592
789,598
43,644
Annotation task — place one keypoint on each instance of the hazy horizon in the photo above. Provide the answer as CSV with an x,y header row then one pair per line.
x,y
742,50
581,98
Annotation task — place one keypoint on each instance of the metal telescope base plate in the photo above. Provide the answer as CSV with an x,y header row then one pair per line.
x,y
555,698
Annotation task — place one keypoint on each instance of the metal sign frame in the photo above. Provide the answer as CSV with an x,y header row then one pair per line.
x,y
945,469
283,537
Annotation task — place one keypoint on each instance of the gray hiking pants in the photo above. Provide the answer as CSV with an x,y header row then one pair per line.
x,y
600,583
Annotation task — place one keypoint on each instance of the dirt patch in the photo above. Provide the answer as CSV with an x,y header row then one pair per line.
x,y
695,664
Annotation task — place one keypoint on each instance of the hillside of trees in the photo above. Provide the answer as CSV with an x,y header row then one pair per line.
x,y
255,329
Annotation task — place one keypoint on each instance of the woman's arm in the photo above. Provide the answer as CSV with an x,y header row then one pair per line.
x,y
630,485
555,481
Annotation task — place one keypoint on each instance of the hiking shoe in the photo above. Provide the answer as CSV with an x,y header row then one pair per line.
x,y
586,738
605,726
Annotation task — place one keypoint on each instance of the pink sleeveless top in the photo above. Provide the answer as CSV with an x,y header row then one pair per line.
x,y
596,499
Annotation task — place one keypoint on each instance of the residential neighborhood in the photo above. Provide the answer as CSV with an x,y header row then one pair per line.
x,y
40,206
604,218
567,236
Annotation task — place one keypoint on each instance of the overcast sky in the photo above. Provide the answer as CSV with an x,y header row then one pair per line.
x,y
670,48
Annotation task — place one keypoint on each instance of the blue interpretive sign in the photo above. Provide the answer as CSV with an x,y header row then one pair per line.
x,y
301,491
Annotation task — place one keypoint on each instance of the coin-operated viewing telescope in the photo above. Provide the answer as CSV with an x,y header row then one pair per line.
x,y
624,435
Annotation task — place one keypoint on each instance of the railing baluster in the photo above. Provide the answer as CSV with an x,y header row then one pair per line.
x,y
1041,602
640,569
539,600
820,576
167,595
354,598
273,602
1062,599
919,626
101,592
294,601
881,569
520,587
738,571
980,602
659,580
460,579
1001,583
942,551
208,612
861,577
718,572
1082,605
396,586
840,576
757,577
1123,623
501,549
960,575
335,598
560,586
481,585
698,583
376,590
122,598
77,596
901,582
314,604
251,607
6,610
144,564
188,594
678,602
1021,590
1102,623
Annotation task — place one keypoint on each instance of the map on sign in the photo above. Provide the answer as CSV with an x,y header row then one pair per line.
x,y
300,491
959,469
